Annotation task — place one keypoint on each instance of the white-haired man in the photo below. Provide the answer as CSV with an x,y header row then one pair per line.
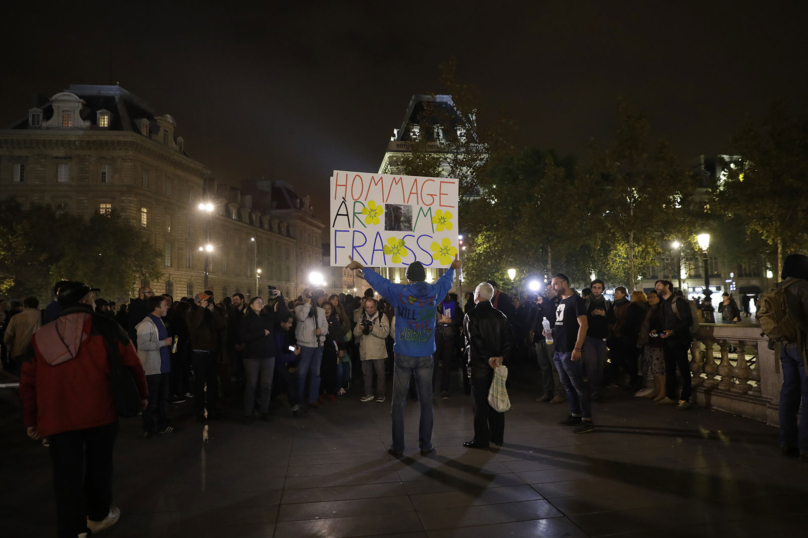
x,y
490,341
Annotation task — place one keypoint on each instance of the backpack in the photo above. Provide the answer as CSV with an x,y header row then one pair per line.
x,y
775,320
694,316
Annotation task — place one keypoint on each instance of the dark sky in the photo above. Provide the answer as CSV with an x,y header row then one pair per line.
x,y
293,90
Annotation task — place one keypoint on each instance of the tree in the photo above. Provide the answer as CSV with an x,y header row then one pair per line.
x,y
769,188
643,194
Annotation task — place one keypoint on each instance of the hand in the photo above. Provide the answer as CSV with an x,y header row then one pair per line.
x,y
274,293
144,404
492,362
297,350
341,353
354,265
318,332
445,319
456,264
546,334
599,312
266,332
168,341
210,307
576,355
33,433
667,334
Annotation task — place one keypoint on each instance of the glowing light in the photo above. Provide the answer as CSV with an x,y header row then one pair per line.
x,y
252,238
593,276
704,241
398,279
315,278
258,271
534,285
201,249
460,237
676,244
511,274
769,273
209,247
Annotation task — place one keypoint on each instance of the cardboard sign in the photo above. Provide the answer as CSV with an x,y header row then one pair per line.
x,y
393,221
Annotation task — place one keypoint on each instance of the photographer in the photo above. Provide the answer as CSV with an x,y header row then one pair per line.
x,y
311,329
371,333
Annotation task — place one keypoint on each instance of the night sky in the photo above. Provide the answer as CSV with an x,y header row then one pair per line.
x,y
293,90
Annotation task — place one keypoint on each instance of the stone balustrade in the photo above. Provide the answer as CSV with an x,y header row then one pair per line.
x,y
735,371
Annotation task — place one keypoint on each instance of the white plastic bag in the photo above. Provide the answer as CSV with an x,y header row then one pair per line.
x,y
498,394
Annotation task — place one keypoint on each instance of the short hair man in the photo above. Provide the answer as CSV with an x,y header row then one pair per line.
x,y
154,350
599,315
21,329
490,341
416,304
676,321
371,335
138,310
53,310
569,335
70,359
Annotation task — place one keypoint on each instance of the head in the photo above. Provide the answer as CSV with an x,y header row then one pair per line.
x,y
483,293
725,296
144,292
620,292
256,304
586,293
183,307
101,305
493,284
318,297
287,323
398,212
597,286
30,302
653,298
238,300
74,293
416,272
561,285
202,299
371,305
663,288
795,266
122,308
516,302
334,300
329,309
638,296
157,305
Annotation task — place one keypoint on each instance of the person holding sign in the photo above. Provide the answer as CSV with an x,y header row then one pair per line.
x,y
416,309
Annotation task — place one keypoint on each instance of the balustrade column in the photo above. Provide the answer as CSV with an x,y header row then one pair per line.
x,y
725,368
710,367
696,363
741,371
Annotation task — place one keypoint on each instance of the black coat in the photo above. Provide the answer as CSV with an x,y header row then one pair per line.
x,y
137,313
488,334
258,344
634,318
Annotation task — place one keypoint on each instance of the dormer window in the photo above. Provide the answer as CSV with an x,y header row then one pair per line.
x,y
35,118
67,118
180,144
103,119
144,127
165,137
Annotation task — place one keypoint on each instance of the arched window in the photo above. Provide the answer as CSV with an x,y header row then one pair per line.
x,y
189,289
170,288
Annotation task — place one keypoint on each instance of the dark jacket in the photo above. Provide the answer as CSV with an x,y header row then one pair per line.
x,y
634,318
204,327
488,334
234,318
283,340
679,322
504,304
599,325
252,332
137,313
729,311
547,309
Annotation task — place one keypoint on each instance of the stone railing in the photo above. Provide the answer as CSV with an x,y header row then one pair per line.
x,y
735,371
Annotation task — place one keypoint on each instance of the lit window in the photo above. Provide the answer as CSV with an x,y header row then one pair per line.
x,y
103,120
62,173
145,179
144,216
105,209
67,118
106,173
19,173
189,289
168,223
168,255
36,119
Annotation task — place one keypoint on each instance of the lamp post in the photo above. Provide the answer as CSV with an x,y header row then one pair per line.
x,y
512,275
677,246
208,208
704,244
255,264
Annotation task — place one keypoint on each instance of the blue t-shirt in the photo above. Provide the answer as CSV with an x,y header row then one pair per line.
x,y
416,309
165,351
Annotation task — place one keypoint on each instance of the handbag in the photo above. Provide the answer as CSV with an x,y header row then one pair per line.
x,y
498,394
124,389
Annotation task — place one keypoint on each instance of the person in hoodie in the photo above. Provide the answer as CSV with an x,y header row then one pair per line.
x,y
67,397
416,310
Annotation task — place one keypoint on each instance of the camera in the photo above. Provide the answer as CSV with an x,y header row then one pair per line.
x,y
273,292
367,326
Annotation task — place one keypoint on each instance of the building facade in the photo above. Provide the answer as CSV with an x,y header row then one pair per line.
x,y
101,148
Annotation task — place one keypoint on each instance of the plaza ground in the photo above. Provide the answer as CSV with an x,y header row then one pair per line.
x,y
646,471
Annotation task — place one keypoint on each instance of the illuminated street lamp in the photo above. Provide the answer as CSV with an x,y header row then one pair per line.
x,y
208,248
511,274
315,278
677,246
207,207
704,244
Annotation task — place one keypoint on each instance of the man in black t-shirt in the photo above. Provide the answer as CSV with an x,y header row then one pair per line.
x,y
599,314
569,335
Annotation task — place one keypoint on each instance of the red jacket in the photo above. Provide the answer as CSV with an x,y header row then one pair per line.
x,y
66,385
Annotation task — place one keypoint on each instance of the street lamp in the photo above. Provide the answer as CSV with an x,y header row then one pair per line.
x,y
511,274
255,264
677,246
704,244
315,278
208,208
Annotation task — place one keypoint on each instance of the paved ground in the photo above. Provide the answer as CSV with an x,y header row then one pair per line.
x,y
645,472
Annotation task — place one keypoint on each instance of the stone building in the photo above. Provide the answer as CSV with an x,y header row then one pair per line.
x,y
101,148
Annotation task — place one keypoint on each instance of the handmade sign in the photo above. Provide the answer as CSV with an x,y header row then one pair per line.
x,y
392,221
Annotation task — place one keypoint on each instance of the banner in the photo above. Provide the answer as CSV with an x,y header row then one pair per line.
x,y
393,221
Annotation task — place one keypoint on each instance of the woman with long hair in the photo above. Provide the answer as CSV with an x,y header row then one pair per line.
x,y
650,345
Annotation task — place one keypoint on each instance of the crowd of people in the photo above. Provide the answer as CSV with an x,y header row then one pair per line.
x,y
308,348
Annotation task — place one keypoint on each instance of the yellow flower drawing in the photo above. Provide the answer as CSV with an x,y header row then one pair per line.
x,y
443,220
373,212
444,252
395,247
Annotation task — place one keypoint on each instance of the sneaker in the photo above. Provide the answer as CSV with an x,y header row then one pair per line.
x,y
585,427
643,393
544,399
570,421
366,398
395,454
558,400
342,392
683,405
428,452
107,522
332,397
295,408
189,395
380,399
444,395
176,400
315,404
45,442
169,429
667,401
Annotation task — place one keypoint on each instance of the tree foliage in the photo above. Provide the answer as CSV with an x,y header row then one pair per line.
x,y
105,251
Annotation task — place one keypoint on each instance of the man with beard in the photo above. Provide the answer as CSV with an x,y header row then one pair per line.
x,y
599,314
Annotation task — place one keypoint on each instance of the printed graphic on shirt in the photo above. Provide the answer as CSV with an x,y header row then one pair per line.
x,y
420,319
560,312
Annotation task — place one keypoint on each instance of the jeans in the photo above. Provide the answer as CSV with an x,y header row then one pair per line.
x,y
343,374
253,370
206,371
310,359
82,476
795,389
367,373
489,425
159,385
593,359
405,367
571,374
676,357
551,384
289,380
